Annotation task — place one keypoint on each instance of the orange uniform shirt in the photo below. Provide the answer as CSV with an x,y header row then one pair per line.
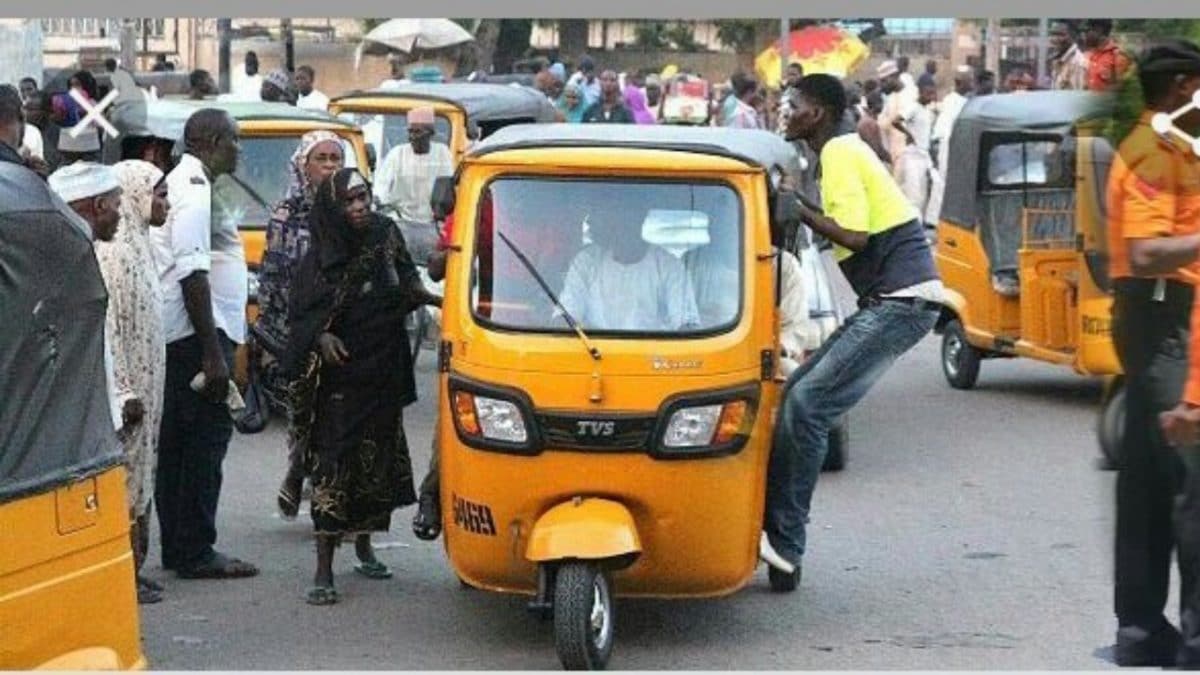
x,y
1154,191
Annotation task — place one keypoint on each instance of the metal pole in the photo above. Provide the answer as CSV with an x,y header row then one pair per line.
x,y
128,45
289,45
785,32
224,29
993,48
1042,48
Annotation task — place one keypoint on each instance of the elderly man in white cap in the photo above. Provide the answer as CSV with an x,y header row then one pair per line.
x,y
94,194
406,174
92,191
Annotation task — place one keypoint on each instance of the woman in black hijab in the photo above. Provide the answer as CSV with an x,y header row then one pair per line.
x,y
352,372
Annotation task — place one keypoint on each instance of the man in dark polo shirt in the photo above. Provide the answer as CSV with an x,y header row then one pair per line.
x,y
880,245
610,109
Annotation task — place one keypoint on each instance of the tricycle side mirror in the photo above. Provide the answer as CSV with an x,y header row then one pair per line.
x,y
372,158
473,132
442,200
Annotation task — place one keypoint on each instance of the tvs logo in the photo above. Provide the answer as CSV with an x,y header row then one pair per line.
x,y
595,428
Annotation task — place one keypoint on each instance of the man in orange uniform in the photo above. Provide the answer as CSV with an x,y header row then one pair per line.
x,y
1154,243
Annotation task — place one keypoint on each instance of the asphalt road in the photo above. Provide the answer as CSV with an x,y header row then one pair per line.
x,y
971,530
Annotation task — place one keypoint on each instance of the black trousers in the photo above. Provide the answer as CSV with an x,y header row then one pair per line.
x,y
431,486
1158,487
192,444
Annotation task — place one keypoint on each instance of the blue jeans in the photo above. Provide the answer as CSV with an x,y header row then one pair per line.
x,y
831,382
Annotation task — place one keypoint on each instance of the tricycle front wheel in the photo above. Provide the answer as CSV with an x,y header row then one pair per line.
x,y
584,616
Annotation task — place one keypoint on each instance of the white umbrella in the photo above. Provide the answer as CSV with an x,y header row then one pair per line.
x,y
406,35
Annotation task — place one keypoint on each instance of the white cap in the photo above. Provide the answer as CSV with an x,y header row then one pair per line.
x,y
887,69
82,180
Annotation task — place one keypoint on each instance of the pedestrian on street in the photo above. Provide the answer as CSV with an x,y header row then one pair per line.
x,y
881,248
406,174
744,115
985,83
952,105
68,112
589,84
318,157
349,354
1154,243
1107,62
277,88
868,128
37,114
203,278
898,103
201,85
570,106
635,100
1068,64
29,88
610,109
309,97
247,83
135,336
92,193
913,164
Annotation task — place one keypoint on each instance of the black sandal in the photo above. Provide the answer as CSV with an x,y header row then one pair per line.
x,y
147,595
220,567
322,595
427,524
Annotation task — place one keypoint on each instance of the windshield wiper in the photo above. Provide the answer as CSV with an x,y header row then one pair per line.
x,y
250,191
595,353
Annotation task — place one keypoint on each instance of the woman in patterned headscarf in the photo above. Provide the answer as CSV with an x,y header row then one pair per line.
x,y
349,354
133,330
318,156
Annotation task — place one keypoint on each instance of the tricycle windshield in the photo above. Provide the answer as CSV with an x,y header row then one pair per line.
x,y
262,179
623,257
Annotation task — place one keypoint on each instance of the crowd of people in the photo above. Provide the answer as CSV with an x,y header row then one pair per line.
x,y
337,280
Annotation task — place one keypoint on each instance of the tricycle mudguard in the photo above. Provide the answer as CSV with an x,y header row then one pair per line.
x,y
584,529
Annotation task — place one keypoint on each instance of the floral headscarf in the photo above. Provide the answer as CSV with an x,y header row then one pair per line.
x,y
138,180
299,185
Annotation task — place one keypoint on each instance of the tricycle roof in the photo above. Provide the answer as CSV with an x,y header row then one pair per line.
x,y
480,101
756,148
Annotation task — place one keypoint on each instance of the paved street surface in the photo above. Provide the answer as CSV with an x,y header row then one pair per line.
x,y
971,530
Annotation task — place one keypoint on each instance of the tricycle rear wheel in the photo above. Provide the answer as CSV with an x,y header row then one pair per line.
x,y
584,617
1112,426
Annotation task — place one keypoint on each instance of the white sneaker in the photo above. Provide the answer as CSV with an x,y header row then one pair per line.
x,y
769,555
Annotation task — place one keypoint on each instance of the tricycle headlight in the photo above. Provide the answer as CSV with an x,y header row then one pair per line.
x,y
252,284
692,427
499,420
705,426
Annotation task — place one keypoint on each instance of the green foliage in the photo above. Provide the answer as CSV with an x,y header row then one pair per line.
x,y
1187,29
1129,102
683,36
651,35
737,34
